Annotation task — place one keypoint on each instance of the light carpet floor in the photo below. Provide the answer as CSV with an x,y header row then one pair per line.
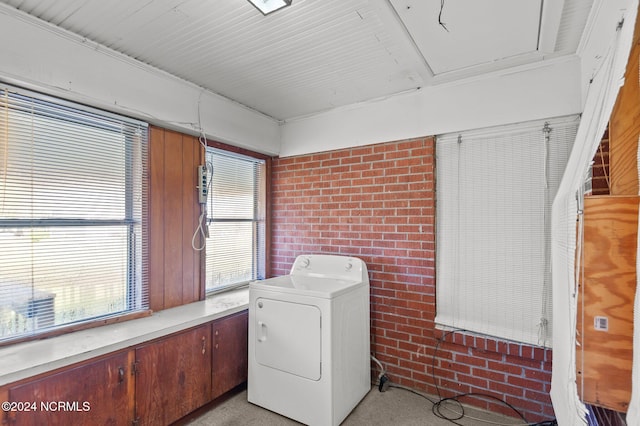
x,y
395,407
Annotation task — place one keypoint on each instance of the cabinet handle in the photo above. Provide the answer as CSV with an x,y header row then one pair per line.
x,y
120,374
204,344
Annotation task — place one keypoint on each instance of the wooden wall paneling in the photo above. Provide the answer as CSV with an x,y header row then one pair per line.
x,y
187,218
173,218
175,268
604,358
623,160
190,257
156,218
624,127
202,254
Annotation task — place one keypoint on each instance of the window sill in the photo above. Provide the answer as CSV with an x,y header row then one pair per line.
x,y
24,360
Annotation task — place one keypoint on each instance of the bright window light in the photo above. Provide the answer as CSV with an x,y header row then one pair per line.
x,y
268,6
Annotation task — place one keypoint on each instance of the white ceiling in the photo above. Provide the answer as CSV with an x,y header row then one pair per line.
x,y
320,54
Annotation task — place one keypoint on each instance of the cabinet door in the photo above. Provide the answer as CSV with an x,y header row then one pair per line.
x,y
230,339
99,393
173,376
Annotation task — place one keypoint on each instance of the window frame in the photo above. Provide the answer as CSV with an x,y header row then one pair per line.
x,y
137,283
234,150
458,289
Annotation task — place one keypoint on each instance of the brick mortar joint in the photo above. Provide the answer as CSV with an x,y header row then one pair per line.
x,y
484,343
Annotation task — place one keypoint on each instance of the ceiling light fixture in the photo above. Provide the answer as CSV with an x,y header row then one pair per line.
x,y
268,6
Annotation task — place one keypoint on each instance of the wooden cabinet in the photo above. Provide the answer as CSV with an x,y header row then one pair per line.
x,y
173,376
182,372
155,383
99,392
230,347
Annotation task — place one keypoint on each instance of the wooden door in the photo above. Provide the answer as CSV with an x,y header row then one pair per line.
x,y
98,393
230,341
173,376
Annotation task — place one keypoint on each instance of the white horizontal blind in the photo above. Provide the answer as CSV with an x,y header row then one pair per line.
x,y
494,193
72,190
236,217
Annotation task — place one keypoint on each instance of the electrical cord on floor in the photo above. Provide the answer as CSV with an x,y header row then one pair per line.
x,y
383,380
438,407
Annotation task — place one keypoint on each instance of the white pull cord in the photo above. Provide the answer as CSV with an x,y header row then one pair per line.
x,y
200,231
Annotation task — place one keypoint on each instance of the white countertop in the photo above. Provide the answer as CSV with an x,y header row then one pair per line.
x,y
27,359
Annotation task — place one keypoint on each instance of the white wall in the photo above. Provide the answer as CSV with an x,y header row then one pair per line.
x,y
600,38
42,57
547,89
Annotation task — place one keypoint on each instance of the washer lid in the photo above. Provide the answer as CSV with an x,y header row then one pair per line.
x,y
326,288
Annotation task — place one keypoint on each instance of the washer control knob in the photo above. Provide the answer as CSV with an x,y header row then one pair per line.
x,y
306,262
349,266
260,305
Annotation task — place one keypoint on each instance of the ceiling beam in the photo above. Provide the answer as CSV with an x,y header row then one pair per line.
x,y
550,17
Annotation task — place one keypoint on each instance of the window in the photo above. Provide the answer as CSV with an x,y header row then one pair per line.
x,y
72,200
494,189
236,219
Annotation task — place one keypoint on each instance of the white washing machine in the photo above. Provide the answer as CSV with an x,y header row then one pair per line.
x,y
309,340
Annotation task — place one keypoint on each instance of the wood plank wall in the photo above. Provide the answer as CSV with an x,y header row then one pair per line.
x,y
624,127
604,358
610,234
175,275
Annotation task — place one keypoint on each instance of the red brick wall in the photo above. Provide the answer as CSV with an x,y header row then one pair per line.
x,y
377,202
600,172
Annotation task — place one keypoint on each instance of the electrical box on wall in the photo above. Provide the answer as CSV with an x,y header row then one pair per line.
x,y
203,184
